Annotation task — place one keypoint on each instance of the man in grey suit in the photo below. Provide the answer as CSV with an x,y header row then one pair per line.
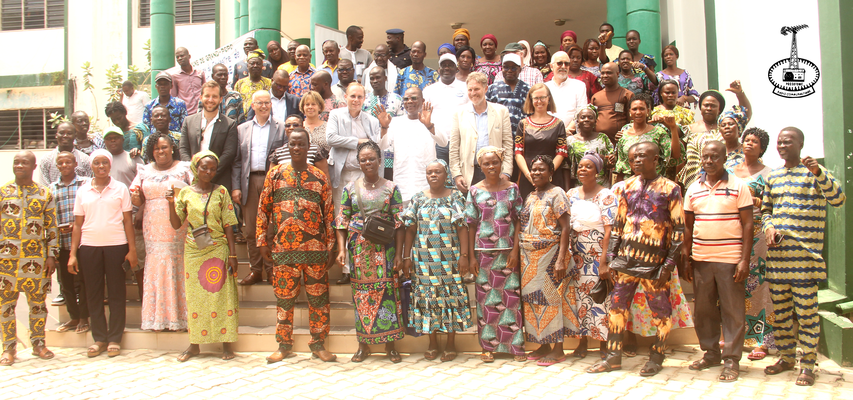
x,y
211,130
256,138
347,127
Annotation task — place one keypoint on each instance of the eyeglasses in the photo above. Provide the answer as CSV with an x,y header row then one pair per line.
x,y
292,125
540,99
412,98
345,69
263,103
562,63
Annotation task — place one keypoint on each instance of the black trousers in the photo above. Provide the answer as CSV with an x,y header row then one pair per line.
x,y
71,286
97,264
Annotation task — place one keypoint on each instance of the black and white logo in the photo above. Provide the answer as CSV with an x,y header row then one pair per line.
x,y
793,77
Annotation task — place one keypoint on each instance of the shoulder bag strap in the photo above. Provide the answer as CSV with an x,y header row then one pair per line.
x,y
205,207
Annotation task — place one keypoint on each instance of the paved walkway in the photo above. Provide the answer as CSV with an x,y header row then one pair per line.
x,y
146,374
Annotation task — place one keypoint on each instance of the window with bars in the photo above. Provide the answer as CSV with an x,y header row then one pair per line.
x,y
27,129
32,14
186,11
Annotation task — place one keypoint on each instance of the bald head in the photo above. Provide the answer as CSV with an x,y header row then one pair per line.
x,y
321,82
23,166
418,53
714,145
610,75
182,57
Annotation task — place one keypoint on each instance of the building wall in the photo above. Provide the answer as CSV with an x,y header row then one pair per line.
x,y
18,44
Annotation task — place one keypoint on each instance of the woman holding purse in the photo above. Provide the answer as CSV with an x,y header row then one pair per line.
x,y
210,260
375,288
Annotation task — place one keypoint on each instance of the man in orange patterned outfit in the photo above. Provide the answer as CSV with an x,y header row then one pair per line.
x,y
297,201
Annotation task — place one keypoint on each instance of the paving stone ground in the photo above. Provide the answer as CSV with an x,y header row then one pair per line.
x,y
144,374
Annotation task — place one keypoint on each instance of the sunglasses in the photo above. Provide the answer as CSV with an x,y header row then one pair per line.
x,y
562,63
292,125
412,98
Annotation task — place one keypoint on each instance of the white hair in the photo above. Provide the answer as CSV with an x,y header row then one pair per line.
x,y
260,93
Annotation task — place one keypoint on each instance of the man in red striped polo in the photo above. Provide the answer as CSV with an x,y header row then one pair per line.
x,y
717,244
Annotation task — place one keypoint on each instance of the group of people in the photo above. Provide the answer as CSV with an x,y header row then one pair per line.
x,y
556,186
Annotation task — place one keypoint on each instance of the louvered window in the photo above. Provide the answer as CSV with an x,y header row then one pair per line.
x,y
27,129
32,14
186,11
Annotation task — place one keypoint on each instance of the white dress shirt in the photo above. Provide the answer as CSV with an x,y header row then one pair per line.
x,y
279,106
206,132
445,101
357,131
135,105
569,97
258,149
414,149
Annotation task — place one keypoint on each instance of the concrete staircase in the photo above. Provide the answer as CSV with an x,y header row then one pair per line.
x,y
256,332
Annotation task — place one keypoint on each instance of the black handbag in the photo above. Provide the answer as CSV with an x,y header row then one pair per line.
x,y
376,229
599,292
201,235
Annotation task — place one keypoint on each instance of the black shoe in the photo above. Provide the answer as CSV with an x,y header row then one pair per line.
x,y
344,280
59,300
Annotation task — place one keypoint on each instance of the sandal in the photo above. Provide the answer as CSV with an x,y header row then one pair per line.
x,y
806,378
521,358
82,328
629,350
703,363
729,374
602,366
113,349
394,356
487,357
535,354
779,367
451,355
757,354
549,361
67,327
43,352
431,354
7,359
360,355
651,368
602,352
95,350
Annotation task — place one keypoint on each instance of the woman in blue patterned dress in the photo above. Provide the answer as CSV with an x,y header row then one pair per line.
x,y
375,288
759,305
437,232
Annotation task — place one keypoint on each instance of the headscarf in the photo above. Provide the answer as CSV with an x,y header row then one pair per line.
x,y
101,152
448,183
461,31
715,94
447,46
738,114
569,33
595,158
197,159
587,107
489,36
255,53
490,149
529,55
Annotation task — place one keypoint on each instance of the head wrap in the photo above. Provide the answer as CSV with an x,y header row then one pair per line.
x,y
255,53
490,149
595,158
587,107
197,159
715,94
447,46
569,33
448,183
539,43
489,36
529,55
738,114
101,152
460,31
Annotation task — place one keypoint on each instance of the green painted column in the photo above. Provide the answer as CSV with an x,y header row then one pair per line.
x,y
265,16
236,19
323,12
617,15
836,330
162,36
711,44
244,17
644,17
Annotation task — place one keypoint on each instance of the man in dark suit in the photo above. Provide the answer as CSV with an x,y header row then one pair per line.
x,y
211,130
256,139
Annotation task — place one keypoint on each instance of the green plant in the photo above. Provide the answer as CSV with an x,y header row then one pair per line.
x,y
56,119
114,81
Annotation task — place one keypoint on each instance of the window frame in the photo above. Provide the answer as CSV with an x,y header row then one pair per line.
x,y
47,142
50,15
181,6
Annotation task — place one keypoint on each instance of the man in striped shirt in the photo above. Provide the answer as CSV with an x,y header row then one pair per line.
x,y
794,217
718,222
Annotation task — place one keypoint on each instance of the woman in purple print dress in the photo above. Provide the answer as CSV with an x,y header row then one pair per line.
x,y
492,214
687,94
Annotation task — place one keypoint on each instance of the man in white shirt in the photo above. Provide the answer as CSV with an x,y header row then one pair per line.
x,y
256,139
412,138
381,59
445,96
360,58
569,94
134,101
